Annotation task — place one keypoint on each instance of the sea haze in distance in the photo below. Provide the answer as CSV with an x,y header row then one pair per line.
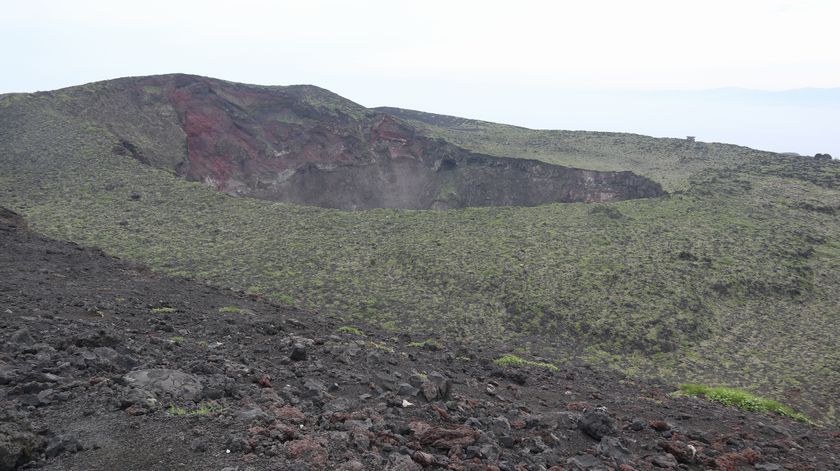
x,y
804,121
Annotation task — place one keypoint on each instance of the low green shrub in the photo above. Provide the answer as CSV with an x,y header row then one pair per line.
x,y
516,362
741,399
203,409
163,310
431,343
346,329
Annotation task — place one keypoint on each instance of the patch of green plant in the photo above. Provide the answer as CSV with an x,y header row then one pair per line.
x,y
203,409
741,399
425,343
163,310
346,329
515,361
284,299
379,346
177,339
230,310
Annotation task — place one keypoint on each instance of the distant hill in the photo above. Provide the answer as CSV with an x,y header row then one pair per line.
x,y
289,143
800,121
670,259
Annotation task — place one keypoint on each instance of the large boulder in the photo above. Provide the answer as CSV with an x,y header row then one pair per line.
x,y
173,384
597,424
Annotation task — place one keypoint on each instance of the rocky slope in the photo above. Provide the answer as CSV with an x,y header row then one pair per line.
x,y
106,366
305,145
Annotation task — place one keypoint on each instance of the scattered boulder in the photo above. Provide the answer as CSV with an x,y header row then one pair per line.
x,y
612,449
198,445
681,451
585,463
298,352
425,459
18,443
443,437
500,426
659,425
62,444
172,383
399,462
436,387
313,389
307,449
406,389
142,398
666,461
99,338
597,424
251,414
106,358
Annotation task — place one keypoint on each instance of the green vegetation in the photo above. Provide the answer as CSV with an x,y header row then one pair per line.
x,y
379,346
731,279
177,339
203,409
516,362
740,399
346,329
425,343
163,310
230,310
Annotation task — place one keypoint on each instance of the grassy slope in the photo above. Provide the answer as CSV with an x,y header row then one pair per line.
x,y
672,162
750,303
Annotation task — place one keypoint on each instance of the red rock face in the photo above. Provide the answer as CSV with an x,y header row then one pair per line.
x,y
236,134
304,145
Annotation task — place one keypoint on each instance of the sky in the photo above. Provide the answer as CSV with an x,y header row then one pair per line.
x,y
643,66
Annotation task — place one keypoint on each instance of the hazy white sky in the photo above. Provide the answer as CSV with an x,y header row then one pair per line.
x,y
451,56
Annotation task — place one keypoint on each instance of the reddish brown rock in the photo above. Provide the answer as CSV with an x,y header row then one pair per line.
x,y
683,452
735,460
290,414
659,425
307,449
443,437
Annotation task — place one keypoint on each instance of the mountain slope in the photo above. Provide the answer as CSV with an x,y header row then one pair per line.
x,y
290,143
248,384
730,279
671,162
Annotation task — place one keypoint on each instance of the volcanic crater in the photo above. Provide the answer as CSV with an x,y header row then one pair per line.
x,y
305,145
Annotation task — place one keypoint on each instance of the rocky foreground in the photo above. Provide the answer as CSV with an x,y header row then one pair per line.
x,y
107,366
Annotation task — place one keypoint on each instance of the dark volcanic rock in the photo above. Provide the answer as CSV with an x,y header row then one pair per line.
x,y
612,449
298,352
61,444
597,424
585,463
172,383
18,444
